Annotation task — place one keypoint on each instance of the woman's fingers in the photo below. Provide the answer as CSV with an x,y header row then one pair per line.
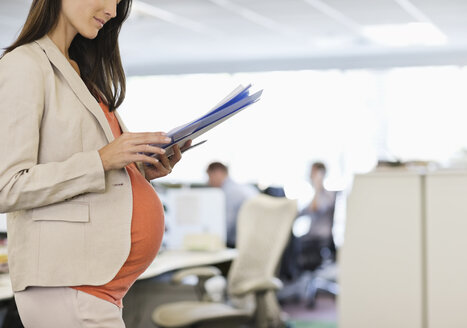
x,y
139,138
149,149
153,138
146,159
177,155
159,170
140,147
166,163
186,146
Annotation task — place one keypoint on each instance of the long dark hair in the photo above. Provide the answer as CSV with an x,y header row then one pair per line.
x,y
98,59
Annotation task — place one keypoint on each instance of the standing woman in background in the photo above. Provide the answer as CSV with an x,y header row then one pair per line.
x,y
83,220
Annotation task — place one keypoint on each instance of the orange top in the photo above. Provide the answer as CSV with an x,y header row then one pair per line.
x,y
147,229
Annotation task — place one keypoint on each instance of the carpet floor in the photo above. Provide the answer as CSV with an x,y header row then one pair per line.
x,y
307,324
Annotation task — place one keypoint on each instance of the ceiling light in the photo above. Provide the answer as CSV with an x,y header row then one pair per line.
x,y
403,35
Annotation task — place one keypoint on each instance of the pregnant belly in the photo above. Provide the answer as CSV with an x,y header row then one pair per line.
x,y
147,228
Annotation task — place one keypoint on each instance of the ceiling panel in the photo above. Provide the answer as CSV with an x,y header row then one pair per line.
x,y
294,30
449,15
372,12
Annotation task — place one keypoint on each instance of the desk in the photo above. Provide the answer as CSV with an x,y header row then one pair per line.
x,y
147,294
165,261
171,260
6,291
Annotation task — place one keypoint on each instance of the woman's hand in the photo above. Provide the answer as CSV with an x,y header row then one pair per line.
x,y
130,147
165,164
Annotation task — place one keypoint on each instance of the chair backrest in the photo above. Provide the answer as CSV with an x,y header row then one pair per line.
x,y
263,229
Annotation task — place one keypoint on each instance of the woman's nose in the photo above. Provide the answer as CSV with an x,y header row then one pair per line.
x,y
110,9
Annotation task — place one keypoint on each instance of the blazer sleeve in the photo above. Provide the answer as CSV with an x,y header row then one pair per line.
x,y
24,183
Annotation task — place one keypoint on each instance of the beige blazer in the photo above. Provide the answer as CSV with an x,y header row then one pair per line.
x,y
69,221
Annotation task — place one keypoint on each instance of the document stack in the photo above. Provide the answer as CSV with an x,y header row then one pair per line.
x,y
233,103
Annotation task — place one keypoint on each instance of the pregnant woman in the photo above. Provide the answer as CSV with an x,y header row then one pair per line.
x,y
83,220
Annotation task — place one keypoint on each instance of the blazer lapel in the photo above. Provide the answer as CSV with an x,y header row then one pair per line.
x,y
120,121
75,82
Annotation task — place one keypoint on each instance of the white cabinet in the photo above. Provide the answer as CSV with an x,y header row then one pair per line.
x,y
446,245
381,261
404,259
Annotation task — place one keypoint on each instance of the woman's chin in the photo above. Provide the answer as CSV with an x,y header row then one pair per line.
x,y
89,34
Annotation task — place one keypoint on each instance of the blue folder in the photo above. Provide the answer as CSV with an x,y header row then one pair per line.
x,y
233,103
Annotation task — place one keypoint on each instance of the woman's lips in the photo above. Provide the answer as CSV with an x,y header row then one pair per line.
x,y
100,21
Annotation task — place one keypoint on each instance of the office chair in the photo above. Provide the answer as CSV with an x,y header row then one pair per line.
x,y
309,265
263,228
321,277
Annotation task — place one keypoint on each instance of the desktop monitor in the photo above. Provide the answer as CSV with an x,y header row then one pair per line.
x,y
194,218
2,222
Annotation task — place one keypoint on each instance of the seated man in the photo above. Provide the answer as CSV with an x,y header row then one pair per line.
x,y
235,195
